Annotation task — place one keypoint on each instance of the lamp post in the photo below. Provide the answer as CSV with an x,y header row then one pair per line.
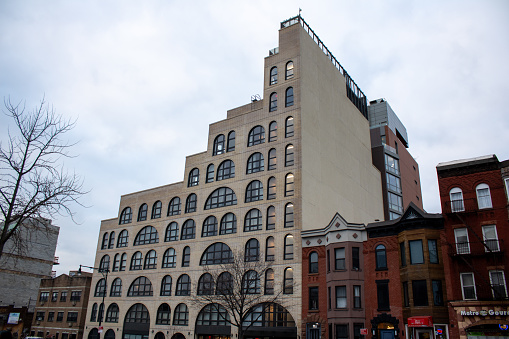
x,y
104,272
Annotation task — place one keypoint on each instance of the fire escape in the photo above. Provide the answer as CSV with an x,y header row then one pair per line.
x,y
480,249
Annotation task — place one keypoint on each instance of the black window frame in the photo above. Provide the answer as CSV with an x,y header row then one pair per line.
x,y
169,258
157,208
188,230
147,235
289,98
174,207
226,170
254,191
172,232
228,224
255,163
256,136
191,203
142,212
194,177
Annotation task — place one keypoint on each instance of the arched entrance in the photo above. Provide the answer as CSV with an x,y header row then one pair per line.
x,y
110,334
385,326
93,334
178,336
271,321
159,335
136,323
212,323
488,330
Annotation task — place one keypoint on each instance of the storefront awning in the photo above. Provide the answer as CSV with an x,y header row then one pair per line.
x,y
423,321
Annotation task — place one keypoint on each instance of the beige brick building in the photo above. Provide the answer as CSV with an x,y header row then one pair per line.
x,y
274,167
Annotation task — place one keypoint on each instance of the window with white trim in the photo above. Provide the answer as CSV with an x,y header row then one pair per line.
x,y
456,196
490,237
468,286
483,196
462,244
498,286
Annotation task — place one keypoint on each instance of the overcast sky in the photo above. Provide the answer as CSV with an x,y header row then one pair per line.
x,y
145,78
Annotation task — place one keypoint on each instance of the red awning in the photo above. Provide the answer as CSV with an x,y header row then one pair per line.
x,y
424,321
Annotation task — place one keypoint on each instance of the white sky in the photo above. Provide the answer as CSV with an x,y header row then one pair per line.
x,y
145,78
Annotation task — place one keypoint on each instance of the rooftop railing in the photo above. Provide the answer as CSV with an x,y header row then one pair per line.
x,y
353,92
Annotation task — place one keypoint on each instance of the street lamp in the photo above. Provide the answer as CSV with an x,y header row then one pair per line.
x,y
104,272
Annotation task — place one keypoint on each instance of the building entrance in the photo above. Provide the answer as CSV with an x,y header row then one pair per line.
x,y
424,333
386,334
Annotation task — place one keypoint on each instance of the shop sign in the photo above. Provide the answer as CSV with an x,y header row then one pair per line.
x,y
364,331
425,321
484,313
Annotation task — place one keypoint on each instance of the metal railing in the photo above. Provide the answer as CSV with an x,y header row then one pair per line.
x,y
478,247
460,206
353,92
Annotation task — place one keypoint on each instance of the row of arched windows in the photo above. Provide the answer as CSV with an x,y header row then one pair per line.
x,y
219,143
253,221
225,285
288,73
217,253
261,315
483,198
222,196
289,100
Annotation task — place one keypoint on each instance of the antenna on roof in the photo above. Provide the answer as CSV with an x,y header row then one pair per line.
x,y
300,10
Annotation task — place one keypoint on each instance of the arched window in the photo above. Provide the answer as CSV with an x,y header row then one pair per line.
x,y
104,264
188,230
210,173
93,314
126,216
218,145
381,257
289,97
456,195
289,220
156,210
272,159
163,315
254,191
140,287
105,242
112,314
289,70
313,262
194,177
215,254
100,288
169,258
289,156
271,192
116,288
251,282
226,170
270,249
205,285
136,261
209,228
253,220
150,260
255,163
273,131
273,75
213,315
142,212
271,218
256,136
289,127
174,206
231,142
183,285
228,224
123,262
186,256
288,247
252,251
288,281
110,334
483,196
172,232
166,286
289,189
273,102
137,314
123,239
224,284
191,203
181,315
269,282
112,240
221,197
147,235
116,262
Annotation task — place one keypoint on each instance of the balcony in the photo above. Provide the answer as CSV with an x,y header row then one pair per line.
x,y
478,248
460,206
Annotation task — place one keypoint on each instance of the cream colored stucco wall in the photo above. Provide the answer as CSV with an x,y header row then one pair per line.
x,y
337,171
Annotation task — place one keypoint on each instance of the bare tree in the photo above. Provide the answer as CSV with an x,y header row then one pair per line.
x,y
33,181
232,288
